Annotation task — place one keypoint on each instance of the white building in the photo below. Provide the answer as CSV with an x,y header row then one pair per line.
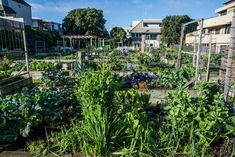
x,y
148,30
46,24
18,9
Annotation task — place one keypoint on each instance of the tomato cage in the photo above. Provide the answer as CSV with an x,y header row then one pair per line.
x,y
14,66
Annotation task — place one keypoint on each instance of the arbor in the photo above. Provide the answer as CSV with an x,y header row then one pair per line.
x,y
117,34
171,28
86,21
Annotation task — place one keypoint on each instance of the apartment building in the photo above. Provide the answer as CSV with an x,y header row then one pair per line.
x,y
218,27
146,33
17,9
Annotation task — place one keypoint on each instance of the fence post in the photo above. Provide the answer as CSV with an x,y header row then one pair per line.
x,y
229,60
209,60
199,47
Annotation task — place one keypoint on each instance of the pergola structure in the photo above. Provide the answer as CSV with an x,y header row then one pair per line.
x,y
76,40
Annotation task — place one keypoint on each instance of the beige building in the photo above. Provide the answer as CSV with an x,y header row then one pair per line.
x,y
218,26
146,33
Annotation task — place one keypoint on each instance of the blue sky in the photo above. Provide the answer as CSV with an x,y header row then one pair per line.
x,y
123,12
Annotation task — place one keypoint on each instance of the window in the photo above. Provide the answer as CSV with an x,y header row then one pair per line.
x,y
152,24
227,30
19,6
223,13
217,31
153,37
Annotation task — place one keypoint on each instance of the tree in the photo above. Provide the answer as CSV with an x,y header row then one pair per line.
x,y
117,34
171,29
86,21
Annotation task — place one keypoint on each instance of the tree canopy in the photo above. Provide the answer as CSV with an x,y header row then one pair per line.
x,y
171,28
117,34
86,21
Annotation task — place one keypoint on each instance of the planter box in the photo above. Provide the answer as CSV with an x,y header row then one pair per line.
x,y
15,86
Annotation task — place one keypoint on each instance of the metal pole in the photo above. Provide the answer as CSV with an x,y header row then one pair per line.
x,y
199,47
26,51
209,60
228,75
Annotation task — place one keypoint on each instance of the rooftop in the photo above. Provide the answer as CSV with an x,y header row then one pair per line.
x,y
230,1
22,2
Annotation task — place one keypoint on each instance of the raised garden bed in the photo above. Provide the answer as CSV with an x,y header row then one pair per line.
x,y
13,84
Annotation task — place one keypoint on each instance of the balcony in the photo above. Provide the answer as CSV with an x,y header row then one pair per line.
x,y
218,21
216,39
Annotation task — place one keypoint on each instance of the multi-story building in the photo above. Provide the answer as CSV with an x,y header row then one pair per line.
x,y
217,27
18,9
146,33
46,24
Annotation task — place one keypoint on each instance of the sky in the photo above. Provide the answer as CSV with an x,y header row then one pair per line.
x,y
122,12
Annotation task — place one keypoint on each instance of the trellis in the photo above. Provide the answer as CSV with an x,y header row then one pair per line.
x,y
230,62
196,54
12,43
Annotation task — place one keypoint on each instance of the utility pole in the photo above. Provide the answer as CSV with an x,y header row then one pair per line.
x,y
231,54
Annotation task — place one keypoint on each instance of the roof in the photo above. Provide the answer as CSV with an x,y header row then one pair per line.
x,y
139,28
227,5
22,2
7,9
152,20
21,20
230,1
45,21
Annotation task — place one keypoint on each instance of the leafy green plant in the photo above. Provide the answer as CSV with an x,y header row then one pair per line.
x,y
23,111
42,65
37,148
111,122
192,125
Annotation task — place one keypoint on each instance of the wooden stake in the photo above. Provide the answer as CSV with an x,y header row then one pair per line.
x,y
209,60
26,51
229,61
179,61
199,47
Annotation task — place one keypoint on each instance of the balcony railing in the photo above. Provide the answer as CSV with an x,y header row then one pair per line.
x,y
218,21
216,39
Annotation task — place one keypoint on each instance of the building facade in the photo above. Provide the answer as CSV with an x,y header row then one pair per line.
x,y
216,29
146,33
46,25
18,9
